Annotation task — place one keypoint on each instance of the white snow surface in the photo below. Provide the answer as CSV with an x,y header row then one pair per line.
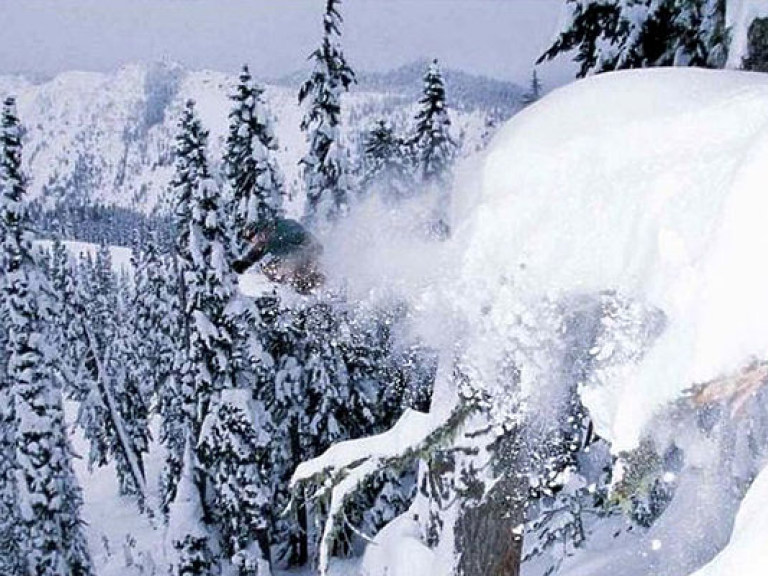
x,y
746,554
650,183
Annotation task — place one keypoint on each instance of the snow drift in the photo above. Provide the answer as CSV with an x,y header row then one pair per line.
x,y
647,183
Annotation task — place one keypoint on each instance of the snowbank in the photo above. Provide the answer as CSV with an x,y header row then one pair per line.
x,y
652,184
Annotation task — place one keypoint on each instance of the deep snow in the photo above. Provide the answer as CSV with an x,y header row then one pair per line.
x,y
650,183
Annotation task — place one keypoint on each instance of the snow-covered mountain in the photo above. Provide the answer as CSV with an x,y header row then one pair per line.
x,y
108,138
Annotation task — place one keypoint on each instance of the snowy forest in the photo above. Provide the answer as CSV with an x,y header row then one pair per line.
x,y
408,322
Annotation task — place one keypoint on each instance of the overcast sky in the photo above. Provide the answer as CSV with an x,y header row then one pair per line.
x,y
499,38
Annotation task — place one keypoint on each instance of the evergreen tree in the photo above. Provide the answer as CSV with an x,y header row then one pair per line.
x,y
66,335
155,319
325,164
188,535
235,449
334,370
534,90
385,162
255,182
11,560
113,410
433,147
227,453
618,34
48,497
191,169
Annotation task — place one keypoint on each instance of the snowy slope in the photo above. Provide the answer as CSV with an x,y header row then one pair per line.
x,y
109,137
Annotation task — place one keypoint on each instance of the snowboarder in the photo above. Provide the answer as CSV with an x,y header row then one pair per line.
x,y
286,252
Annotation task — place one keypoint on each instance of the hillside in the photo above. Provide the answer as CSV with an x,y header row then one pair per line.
x,y
108,137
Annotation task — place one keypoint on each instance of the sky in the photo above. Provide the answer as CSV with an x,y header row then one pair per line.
x,y
498,38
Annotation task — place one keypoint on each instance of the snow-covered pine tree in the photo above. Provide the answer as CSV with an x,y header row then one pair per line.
x,y
188,534
155,319
324,166
212,362
191,168
113,410
48,496
616,34
133,390
234,447
335,370
385,163
255,181
433,148
11,560
229,451
66,333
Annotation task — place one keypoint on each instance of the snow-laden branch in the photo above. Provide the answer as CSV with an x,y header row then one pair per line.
x,y
342,469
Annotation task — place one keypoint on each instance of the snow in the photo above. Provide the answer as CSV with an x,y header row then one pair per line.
x,y
398,551
410,430
649,183
121,256
746,554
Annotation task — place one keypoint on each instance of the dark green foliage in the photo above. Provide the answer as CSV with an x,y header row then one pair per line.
x,y
757,51
620,34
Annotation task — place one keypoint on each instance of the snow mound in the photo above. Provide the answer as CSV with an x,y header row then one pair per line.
x,y
649,183
398,551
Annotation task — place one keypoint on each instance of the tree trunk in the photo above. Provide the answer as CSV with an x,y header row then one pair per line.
x,y
485,530
485,537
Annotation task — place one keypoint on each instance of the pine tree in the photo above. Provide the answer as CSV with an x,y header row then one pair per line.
x,y
235,448
618,34
66,333
433,147
325,164
113,410
385,162
11,560
155,319
332,374
191,169
187,532
48,497
534,90
133,389
255,182
227,451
